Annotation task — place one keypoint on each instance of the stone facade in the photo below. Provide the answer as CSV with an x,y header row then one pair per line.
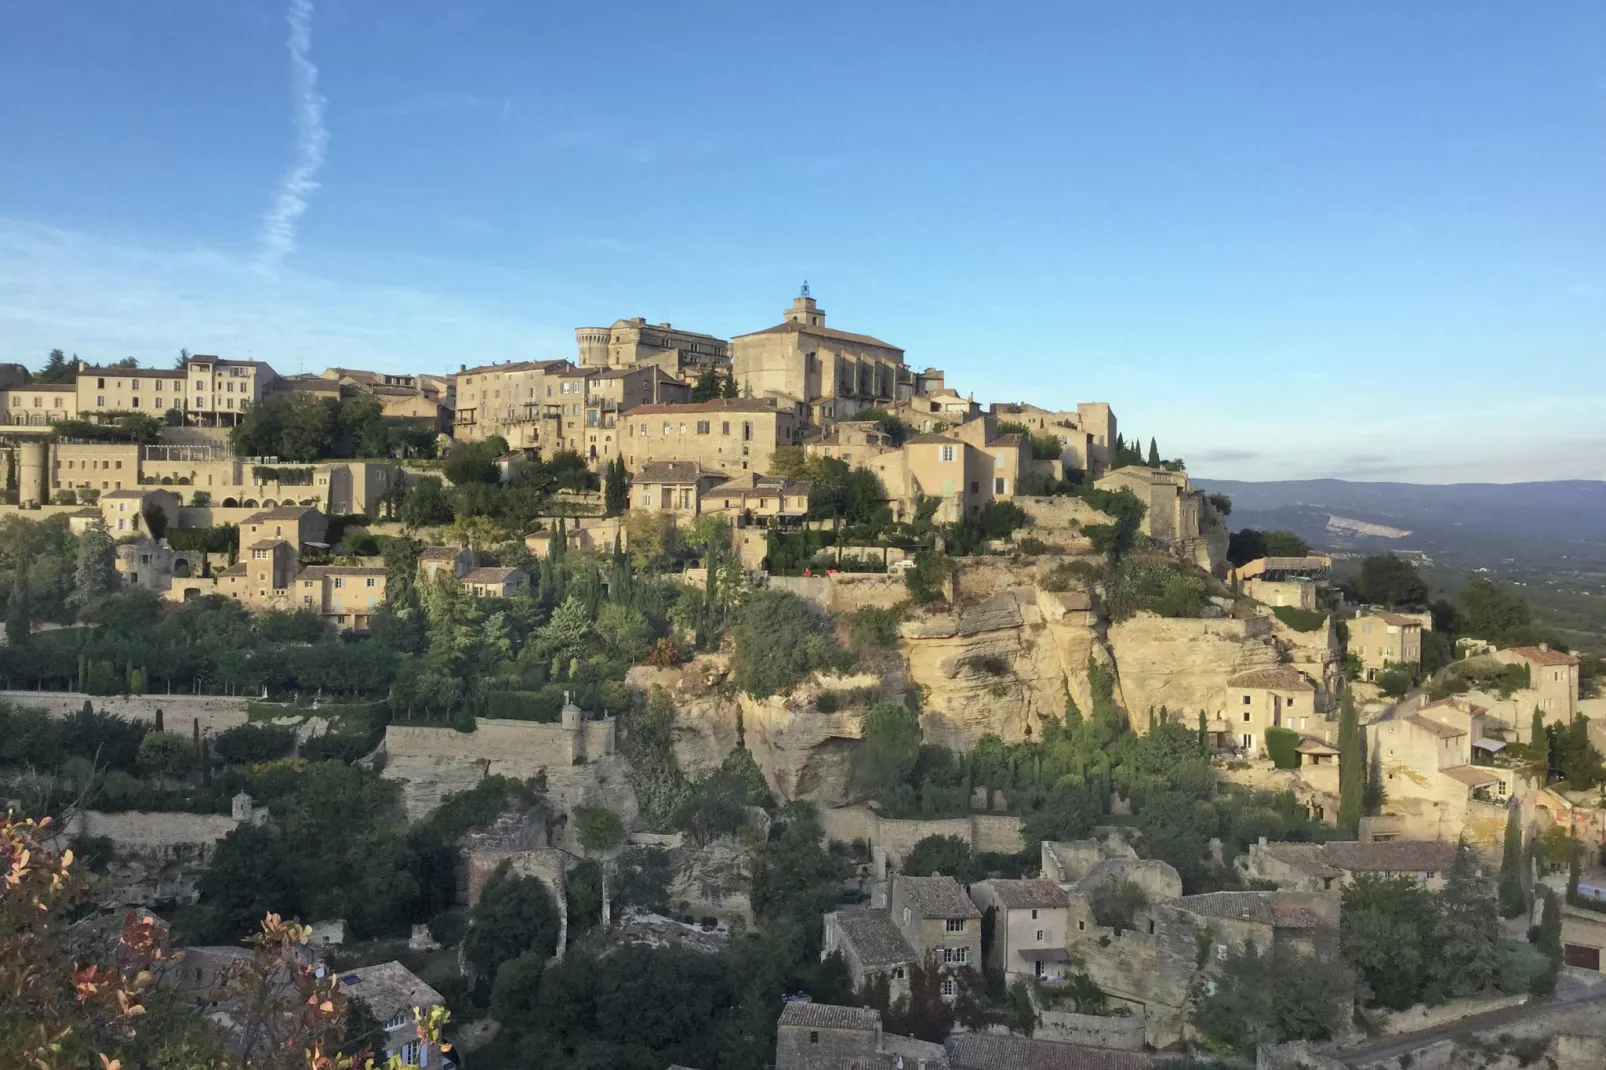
x,y
818,372
38,404
631,343
727,435
1552,677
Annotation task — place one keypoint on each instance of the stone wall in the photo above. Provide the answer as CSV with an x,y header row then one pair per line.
x,y
1092,1030
215,712
158,835
431,763
983,832
1420,1017
1183,663
846,591
1151,970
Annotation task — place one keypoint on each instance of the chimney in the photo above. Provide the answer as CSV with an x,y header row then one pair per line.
x,y
1544,648
1263,843
462,367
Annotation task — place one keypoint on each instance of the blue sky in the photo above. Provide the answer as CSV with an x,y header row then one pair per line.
x,y
1290,240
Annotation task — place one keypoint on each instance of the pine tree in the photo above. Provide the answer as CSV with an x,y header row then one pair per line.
x,y
730,386
614,492
1351,765
1539,744
159,718
1510,885
1154,453
707,387
95,573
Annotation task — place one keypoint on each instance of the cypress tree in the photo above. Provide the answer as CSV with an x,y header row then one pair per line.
x,y
159,718
1204,734
1510,884
1351,765
1539,743
1154,454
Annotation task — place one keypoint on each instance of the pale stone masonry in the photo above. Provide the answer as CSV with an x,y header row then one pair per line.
x,y
1029,921
1260,699
1552,677
938,920
730,435
820,1036
820,373
392,993
871,947
1329,867
632,343
1383,639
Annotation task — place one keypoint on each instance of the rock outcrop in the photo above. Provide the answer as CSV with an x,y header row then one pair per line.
x,y
1183,663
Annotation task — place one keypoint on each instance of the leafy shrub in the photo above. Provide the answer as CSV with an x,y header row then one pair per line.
x,y
1394,682
1159,587
873,629
1068,574
1282,746
664,654
344,747
1034,546
248,744
828,702
928,578
780,638
1301,620
1000,519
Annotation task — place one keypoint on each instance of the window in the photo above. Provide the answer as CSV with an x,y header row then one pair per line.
x,y
260,555
897,972
702,427
1246,717
906,915
975,487
370,582
100,384
1034,915
998,486
136,403
1246,700
100,402
949,988
725,427
1081,926
955,925
340,581
1040,936
135,384
667,427
945,453
409,1053
814,1037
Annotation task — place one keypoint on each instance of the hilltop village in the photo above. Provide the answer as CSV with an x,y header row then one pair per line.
x,y
759,702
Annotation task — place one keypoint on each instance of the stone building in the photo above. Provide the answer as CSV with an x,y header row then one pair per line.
x,y
1281,697
938,920
38,404
675,487
392,993
509,399
218,392
1583,937
151,391
1329,867
968,467
849,441
817,372
820,1036
1028,919
346,596
730,435
633,343
457,560
154,565
872,948
1087,435
1382,639
1176,513
128,511
495,582
1552,677
991,1051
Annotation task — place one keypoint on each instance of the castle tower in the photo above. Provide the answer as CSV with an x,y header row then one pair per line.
x,y
593,344
33,468
574,723
804,310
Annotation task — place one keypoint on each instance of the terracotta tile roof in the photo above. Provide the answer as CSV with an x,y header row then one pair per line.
x,y
490,574
931,438
1470,775
267,544
1026,894
1267,908
1438,728
1399,620
1459,704
516,366
829,1016
439,553
1281,678
982,1051
673,472
1543,656
793,327
313,572
1391,856
1306,856
716,405
388,989
758,483
875,940
936,897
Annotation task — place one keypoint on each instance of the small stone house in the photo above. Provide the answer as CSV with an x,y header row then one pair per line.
x,y
938,920
872,947
1382,640
820,1036
1028,920
433,559
488,582
673,487
392,993
1328,867
1280,697
1552,677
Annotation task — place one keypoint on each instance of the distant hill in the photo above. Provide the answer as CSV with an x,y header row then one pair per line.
x,y
1460,524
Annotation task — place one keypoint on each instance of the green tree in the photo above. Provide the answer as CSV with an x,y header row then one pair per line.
x,y
615,488
707,387
1511,896
1390,581
1539,746
57,369
1290,995
779,639
1351,764
1154,453
1493,612
425,505
515,916
598,828
730,389
1466,933
95,574
887,750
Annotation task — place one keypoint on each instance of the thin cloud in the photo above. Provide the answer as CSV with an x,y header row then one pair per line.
x,y
312,137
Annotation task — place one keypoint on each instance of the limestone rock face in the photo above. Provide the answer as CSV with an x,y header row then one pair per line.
x,y
1184,664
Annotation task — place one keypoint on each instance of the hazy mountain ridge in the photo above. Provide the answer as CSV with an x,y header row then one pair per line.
x,y
1474,524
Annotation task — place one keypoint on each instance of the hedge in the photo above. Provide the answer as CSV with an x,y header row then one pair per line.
x,y
1283,747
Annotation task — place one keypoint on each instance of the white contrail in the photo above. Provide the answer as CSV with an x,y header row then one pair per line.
x,y
279,224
